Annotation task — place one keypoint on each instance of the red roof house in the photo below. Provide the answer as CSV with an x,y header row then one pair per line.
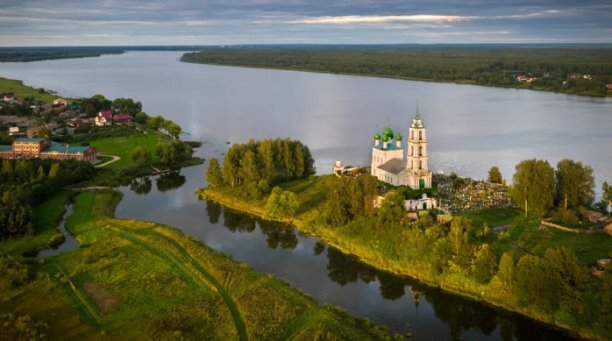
x,y
104,118
122,119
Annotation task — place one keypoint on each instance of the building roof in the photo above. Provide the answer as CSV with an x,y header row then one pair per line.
x,y
390,146
62,148
388,132
6,148
393,166
108,115
30,140
122,117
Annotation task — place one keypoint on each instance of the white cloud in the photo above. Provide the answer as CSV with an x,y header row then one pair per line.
x,y
381,19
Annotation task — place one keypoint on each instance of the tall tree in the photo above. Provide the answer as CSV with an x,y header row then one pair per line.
x,y
249,168
392,209
606,199
485,264
534,186
266,155
506,270
213,173
575,184
495,175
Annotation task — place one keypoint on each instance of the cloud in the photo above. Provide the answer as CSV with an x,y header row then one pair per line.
x,y
381,19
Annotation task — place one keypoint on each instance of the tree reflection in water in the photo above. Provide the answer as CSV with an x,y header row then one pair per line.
x,y
278,235
141,186
459,314
213,210
170,181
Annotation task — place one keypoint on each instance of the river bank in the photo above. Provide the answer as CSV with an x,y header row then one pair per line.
x,y
493,294
131,278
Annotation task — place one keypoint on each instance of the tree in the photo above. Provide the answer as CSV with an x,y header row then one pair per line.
x,y
141,118
534,186
155,122
127,105
214,177
173,129
54,170
281,203
248,168
485,264
41,173
456,234
7,167
165,153
506,270
141,155
495,175
575,184
392,210
606,189
537,284
44,133
266,156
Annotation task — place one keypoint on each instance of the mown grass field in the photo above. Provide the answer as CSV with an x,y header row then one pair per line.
x,y
140,280
48,216
122,146
21,91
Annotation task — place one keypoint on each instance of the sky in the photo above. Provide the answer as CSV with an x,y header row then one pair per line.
x,y
225,22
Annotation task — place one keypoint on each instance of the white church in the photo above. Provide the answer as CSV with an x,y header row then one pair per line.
x,y
389,162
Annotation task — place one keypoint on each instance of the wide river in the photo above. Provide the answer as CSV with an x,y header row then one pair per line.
x,y
470,129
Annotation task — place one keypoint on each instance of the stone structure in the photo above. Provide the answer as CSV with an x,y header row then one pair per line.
x,y
390,164
28,148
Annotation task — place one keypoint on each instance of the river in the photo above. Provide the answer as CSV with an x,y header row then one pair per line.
x,y
470,128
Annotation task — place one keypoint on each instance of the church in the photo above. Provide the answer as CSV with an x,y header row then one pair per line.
x,y
389,164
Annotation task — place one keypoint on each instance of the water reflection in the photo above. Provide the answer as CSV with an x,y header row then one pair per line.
x,y
170,181
465,319
141,186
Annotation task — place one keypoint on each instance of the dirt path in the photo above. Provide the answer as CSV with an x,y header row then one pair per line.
x,y
115,158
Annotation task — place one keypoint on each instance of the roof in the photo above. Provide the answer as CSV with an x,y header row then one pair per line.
x,y
6,148
30,139
106,114
122,117
393,166
62,148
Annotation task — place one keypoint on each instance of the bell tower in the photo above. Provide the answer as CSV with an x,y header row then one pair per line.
x,y
417,165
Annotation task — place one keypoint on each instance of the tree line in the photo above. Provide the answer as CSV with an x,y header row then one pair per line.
x,y
486,65
258,165
26,183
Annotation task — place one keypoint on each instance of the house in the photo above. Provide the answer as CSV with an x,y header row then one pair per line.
x,y
14,131
60,101
33,132
122,119
424,203
104,118
525,79
8,98
609,86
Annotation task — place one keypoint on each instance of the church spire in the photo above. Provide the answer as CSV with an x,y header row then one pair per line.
x,y
417,116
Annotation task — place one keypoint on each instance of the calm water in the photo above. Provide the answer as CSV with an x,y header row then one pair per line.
x,y
319,271
470,128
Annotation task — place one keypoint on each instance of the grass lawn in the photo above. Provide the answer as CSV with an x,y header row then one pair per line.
x,y
103,158
21,91
122,146
48,216
140,280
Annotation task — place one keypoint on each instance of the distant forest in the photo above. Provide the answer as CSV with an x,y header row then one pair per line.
x,y
579,69
30,54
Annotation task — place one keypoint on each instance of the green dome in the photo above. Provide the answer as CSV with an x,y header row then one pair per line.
x,y
398,136
385,138
377,136
389,132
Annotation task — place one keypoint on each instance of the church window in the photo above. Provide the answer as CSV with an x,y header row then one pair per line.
x,y
420,135
420,151
420,165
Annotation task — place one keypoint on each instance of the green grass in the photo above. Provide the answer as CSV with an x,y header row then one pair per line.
x,y
47,217
587,247
162,284
495,216
103,159
21,91
122,146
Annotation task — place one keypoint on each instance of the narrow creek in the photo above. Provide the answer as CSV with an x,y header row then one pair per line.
x,y
69,244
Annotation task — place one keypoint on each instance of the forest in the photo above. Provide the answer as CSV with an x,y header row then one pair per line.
x,y
579,69
26,183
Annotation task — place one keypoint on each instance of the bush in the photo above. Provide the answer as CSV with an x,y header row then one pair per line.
x,y
565,217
